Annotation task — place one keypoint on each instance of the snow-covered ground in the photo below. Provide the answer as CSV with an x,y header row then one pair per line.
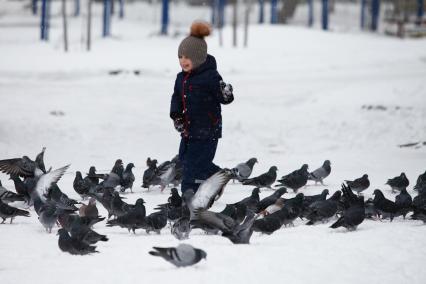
x,y
299,99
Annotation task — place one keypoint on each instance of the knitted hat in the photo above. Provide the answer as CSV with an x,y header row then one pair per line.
x,y
194,46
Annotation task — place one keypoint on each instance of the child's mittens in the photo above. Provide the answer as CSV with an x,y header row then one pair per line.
x,y
179,124
227,94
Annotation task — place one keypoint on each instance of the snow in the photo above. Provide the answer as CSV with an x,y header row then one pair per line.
x,y
299,99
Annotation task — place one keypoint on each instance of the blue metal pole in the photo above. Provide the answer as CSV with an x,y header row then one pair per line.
x,y
420,11
44,23
325,14
274,11
310,13
375,11
165,17
363,11
214,12
34,7
222,4
121,12
261,11
106,23
76,8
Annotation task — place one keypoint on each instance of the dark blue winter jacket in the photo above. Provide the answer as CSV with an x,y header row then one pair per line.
x,y
196,98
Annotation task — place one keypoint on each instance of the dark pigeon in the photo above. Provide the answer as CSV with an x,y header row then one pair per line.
x,y
8,196
398,183
128,178
73,246
24,166
360,184
118,206
7,211
81,186
321,173
323,210
149,173
155,222
252,201
60,199
175,200
114,178
89,210
353,210
296,179
370,210
404,202
243,171
420,186
180,256
308,200
21,188
80,228
264,180
92,177
385,207
236,211
132,220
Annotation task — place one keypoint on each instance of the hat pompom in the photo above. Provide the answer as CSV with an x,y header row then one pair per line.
x,y
200,29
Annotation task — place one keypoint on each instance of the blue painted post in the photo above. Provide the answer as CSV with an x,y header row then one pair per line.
x,y
221,11
274,11
34,6
420,11
106,23
375,11
363,11
121,12
214,12
310,13
44,23
76,8
165,17
261,11
325,15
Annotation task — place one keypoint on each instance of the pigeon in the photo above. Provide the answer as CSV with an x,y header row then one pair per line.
x,y
404,202
149,173
264,180
271,199
79,228
252,201
370,210
296,179
73,246
47,213
209,189
132,220
237,211
8,196
164,175
385,207
360,184
92,177
105,199
243,171
118,206
155,222
24,166
60,199
113,179
89,210
178,171
7,211
354,211
21,188
274,207
308,200
398,183
81,186
421,183
128,178
175,200
419,214
180,256
294,207
321,173
243,232
323,210
271,223
66,220
181,228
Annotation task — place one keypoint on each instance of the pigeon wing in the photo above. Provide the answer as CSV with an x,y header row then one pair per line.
x,y
209,189
46,180
17,167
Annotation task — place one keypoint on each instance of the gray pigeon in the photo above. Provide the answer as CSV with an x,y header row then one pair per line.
x,y
128,178
181,228
264,180
321,173
72,245
243,171
398,183
180,256
7,211
360,184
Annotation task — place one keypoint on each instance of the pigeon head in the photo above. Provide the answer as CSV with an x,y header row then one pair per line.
x,y
78,175
273,169
336,195
403,175
365,176
173,191
130,166
92,201
62,232
255,191
378,193
140,202
151,163
304,167
39,160
299,196
325,192
201,253
327,163
92,170
281,190
118,162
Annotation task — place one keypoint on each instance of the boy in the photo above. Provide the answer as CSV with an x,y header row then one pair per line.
x,y
195,107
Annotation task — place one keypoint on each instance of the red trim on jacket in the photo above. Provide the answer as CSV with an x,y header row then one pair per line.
x,y
185,110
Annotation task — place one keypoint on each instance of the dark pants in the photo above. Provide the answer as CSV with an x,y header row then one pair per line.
x,y
197,157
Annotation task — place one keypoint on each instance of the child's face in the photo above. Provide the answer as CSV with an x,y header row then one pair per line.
x,y
185,63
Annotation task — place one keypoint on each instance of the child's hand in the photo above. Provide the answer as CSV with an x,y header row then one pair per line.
x,y
226,89
179,124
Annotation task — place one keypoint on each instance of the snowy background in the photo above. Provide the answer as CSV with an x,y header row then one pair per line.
x,y
301,96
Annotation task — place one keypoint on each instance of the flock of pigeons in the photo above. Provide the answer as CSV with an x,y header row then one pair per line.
x,y
38,187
